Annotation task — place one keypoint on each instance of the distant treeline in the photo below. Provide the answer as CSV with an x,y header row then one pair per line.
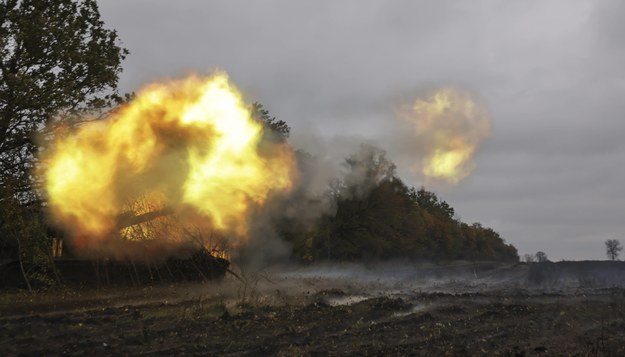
x,y
374,215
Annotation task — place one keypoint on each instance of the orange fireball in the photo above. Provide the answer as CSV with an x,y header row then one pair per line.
x,y
189,145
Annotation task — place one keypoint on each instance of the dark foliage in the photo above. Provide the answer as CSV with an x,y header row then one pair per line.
x,y
275,130
196,265
379,217
57,60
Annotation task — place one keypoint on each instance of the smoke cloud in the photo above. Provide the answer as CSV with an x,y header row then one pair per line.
x,y
446,128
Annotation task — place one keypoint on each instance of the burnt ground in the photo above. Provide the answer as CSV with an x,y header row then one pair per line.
x,y
268,316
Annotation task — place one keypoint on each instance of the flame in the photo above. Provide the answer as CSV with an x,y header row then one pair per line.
x,y
190,146
449,124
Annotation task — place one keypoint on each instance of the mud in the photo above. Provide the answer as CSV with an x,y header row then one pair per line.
x,y
325,310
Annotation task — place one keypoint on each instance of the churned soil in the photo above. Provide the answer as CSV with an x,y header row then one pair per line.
x,y
166,321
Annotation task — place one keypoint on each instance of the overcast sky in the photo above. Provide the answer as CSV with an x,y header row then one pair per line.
x,y
552,175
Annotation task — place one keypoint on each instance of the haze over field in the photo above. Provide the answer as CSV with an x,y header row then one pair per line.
x,y
550,175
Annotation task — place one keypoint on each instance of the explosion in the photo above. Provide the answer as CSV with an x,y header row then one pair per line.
x,y
449,125
187,149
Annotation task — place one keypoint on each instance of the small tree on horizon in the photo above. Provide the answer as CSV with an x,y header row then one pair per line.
x,y
613,247
529,258
541,257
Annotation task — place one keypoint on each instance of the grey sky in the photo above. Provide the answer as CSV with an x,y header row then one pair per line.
x,y
550,177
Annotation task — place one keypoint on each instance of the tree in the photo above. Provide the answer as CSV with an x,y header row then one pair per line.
x,y
56,60
529,258
613,247
276,130
366,169
371,214
541,257
58,63
430,202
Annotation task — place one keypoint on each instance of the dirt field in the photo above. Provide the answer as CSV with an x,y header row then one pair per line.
x,y
323,311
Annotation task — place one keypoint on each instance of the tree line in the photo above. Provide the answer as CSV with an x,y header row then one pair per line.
x,y
380,217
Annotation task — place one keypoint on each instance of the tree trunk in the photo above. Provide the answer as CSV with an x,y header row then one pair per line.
x,y
19,259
